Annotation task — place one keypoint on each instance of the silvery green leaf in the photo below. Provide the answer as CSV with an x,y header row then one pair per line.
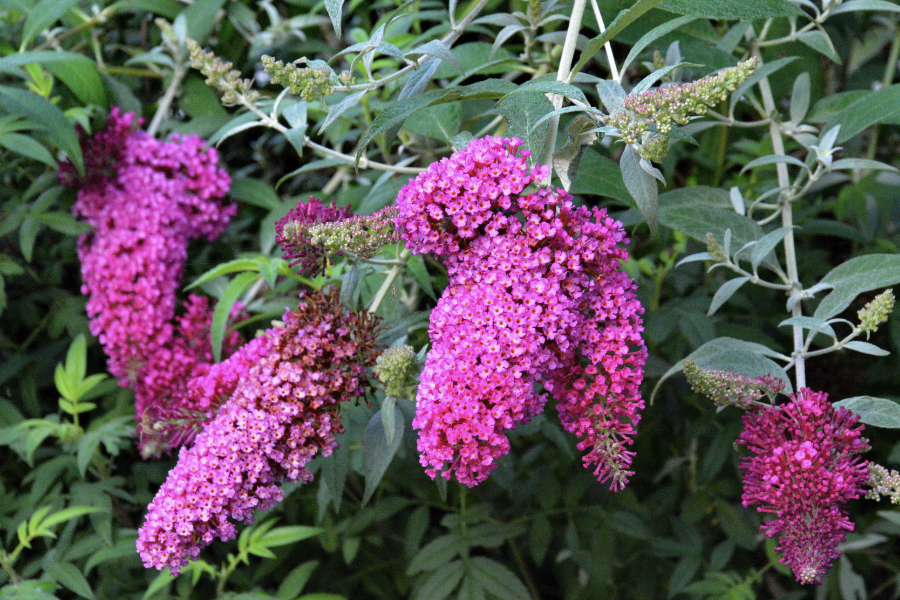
x,y
877,412
725,292
737,200
641,185
861,163
767,244
772,159
800,98
653,35
699,256
866,348
811,323
611,94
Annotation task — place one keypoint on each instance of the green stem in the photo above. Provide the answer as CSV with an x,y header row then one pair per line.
x,y
388,281
6,562
162,110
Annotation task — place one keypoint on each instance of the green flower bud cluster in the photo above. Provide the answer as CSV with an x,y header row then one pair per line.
x,y
883,483
221,76
876,312
397,368
361,235
656,111
725,388
715,249
310,83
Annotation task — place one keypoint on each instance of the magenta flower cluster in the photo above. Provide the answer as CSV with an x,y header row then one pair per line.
x,y
292,235
147,199
284,411
804,467
535,298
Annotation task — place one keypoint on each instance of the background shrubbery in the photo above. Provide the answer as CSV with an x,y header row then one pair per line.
x,y
73,486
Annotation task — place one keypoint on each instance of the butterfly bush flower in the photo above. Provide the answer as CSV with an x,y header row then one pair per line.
x,y
292,234
656,111
725,388
883,482
283,412
803,468
534,292
146,199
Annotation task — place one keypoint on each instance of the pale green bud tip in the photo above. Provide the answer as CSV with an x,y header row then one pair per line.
x,y
715,249
361,235
876,312
397,368
221,76
883,482
309,83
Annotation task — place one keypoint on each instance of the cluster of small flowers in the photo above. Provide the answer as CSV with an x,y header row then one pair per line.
x,y
725,388
534,296
292,234
360,235
397,368
656,110
883,482
146,199
804,467
876,312
310,83
221,76
284,411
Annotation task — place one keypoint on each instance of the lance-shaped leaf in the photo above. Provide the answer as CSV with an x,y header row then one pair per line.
x,y
877,412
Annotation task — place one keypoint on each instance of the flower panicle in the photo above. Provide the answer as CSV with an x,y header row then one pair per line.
x,y
725,388
360,235
398,369
646,119
876,312
309,83
883,482
222,76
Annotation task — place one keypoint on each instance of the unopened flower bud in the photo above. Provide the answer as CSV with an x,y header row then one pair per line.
x,y
715,249
221,76
729,389
310,83
876,312
883,483
397,368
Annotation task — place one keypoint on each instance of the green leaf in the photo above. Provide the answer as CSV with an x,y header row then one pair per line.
x,y
378,452
549,85
64,223
725,292
388,407
67,514
496,579
599,175
684,572
70,577
866,348
442,582
882,106
333,7
441,122
233,266
294,582
44,14
730,354
83,78
201,18
856,276
223,310
436,553
766,245
57,128
622,20
800,98
522,112
642,187
861,163
28,590
438,49
161,581
811,323
732,9
821,43
297,119
415,265
771,159
877,412
321,596
650,37
28,147
873,5
282,536
255,192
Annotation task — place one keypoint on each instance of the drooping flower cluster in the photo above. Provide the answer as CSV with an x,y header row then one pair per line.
x,y
534,297
310,83
725,388
147,199
655,111
803,468
284,411
876,312
312,231
221,76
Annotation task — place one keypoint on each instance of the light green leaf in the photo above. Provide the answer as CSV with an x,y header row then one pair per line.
x,y
83,78
855,5
800,98
295,581
766,245
282,536
438,49
161,581
63,223
415,265
811,323
201,18
441,583
773,159
441,122
233,266
642,187
821,43
436,553
223,310
730,354
26,146
496,579
68,575
856,276
882,106
877,412
866,348
255,192
650,37
732,9
44,14
861,163
378,452
725,292
522,112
